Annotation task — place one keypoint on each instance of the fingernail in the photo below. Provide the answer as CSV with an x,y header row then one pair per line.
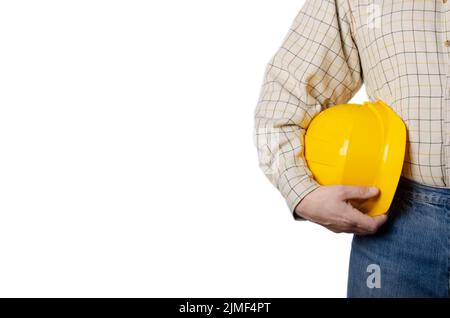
x,y
373,190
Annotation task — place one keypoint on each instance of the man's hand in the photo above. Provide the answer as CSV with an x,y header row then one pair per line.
x,y
329,207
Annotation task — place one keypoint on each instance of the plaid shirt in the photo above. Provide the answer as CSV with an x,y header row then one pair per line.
x,y
400,50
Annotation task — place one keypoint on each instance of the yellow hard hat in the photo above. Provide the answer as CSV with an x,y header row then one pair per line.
x,y
354,144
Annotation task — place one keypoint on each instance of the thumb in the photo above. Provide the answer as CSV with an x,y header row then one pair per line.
x,y
356,192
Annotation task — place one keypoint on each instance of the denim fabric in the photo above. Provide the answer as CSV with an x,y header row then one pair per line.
x,y
410,253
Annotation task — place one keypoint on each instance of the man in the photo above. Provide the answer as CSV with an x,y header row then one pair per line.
x,y
401,51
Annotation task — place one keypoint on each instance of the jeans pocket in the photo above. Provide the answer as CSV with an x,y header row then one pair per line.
x,y
396,207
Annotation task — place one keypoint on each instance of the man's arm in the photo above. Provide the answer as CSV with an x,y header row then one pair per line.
x,y
316,67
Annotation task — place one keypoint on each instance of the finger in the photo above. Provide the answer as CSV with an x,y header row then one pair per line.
x,y
380,220
350,230
352,226
363,222
356,192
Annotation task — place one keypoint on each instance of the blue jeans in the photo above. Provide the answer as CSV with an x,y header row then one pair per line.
x,y
410,255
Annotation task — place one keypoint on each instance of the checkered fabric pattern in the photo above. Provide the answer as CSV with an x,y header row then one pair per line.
x,y
400,50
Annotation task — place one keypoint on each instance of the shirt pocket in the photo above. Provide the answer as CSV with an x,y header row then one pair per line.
x,y
396,40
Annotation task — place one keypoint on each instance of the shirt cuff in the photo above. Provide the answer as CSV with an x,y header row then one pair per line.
x,y
298,192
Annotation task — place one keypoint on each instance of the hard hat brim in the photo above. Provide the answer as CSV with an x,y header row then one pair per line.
x,y
391,163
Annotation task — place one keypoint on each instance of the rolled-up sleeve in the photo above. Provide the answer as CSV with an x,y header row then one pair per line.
x,y
317,66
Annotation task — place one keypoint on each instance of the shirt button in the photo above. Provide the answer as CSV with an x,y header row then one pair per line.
x,y
447,43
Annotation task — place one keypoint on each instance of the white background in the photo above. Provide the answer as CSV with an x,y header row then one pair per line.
x,y
127,163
